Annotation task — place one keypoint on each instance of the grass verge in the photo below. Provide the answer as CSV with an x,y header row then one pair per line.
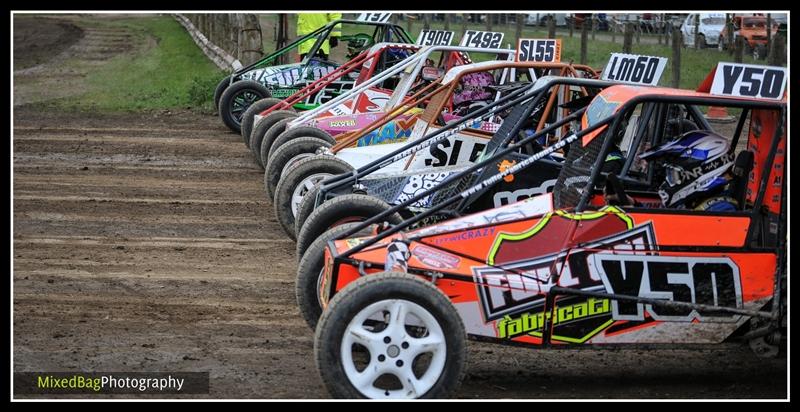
x,y
172,72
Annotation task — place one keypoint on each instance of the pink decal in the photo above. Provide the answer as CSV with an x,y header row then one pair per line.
x,y
435,258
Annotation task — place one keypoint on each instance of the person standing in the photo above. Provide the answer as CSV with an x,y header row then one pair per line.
x,y
308,22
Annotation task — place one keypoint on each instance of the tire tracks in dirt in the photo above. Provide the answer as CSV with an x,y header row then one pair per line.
x,y
152,249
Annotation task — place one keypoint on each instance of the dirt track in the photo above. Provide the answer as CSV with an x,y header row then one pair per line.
x,y
144,243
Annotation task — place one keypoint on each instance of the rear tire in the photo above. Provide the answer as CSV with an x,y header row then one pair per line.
x,y
340,210
294,184
248,118
282,160
236,99
309,271
342,325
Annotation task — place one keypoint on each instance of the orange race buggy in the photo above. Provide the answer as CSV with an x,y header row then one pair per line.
x,y
580,267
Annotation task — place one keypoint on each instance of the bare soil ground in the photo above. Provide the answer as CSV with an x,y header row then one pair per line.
x,y
144,242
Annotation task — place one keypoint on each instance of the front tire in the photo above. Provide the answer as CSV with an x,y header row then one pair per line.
x,y
263,127
284,158
421,321
339,210
294,133
249,116
297,181
309,272
236,99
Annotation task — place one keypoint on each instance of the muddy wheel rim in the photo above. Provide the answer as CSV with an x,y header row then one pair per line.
x,y
410,332
303,188
241,102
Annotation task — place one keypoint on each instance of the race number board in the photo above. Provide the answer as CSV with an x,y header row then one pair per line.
x,y
482,39
749,80
634,69
538,50
374,17
435,38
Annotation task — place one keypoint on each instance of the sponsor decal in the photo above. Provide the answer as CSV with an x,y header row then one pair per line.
x,y
505,165
283,93
465,235
616,258
435,258
353,242
397,255
520,267
530,207
342,123
589,315
508,197
701,170
390,132
417,184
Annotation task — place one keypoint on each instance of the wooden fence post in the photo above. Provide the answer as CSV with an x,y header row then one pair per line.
x,y
584,40
638,30
676,58
282,36
613,33
571,24
426,21
250,44
518,32
769,33
776,54
551,27
627,41
738,50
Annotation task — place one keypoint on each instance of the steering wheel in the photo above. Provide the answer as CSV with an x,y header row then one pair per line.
x,y
614,187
